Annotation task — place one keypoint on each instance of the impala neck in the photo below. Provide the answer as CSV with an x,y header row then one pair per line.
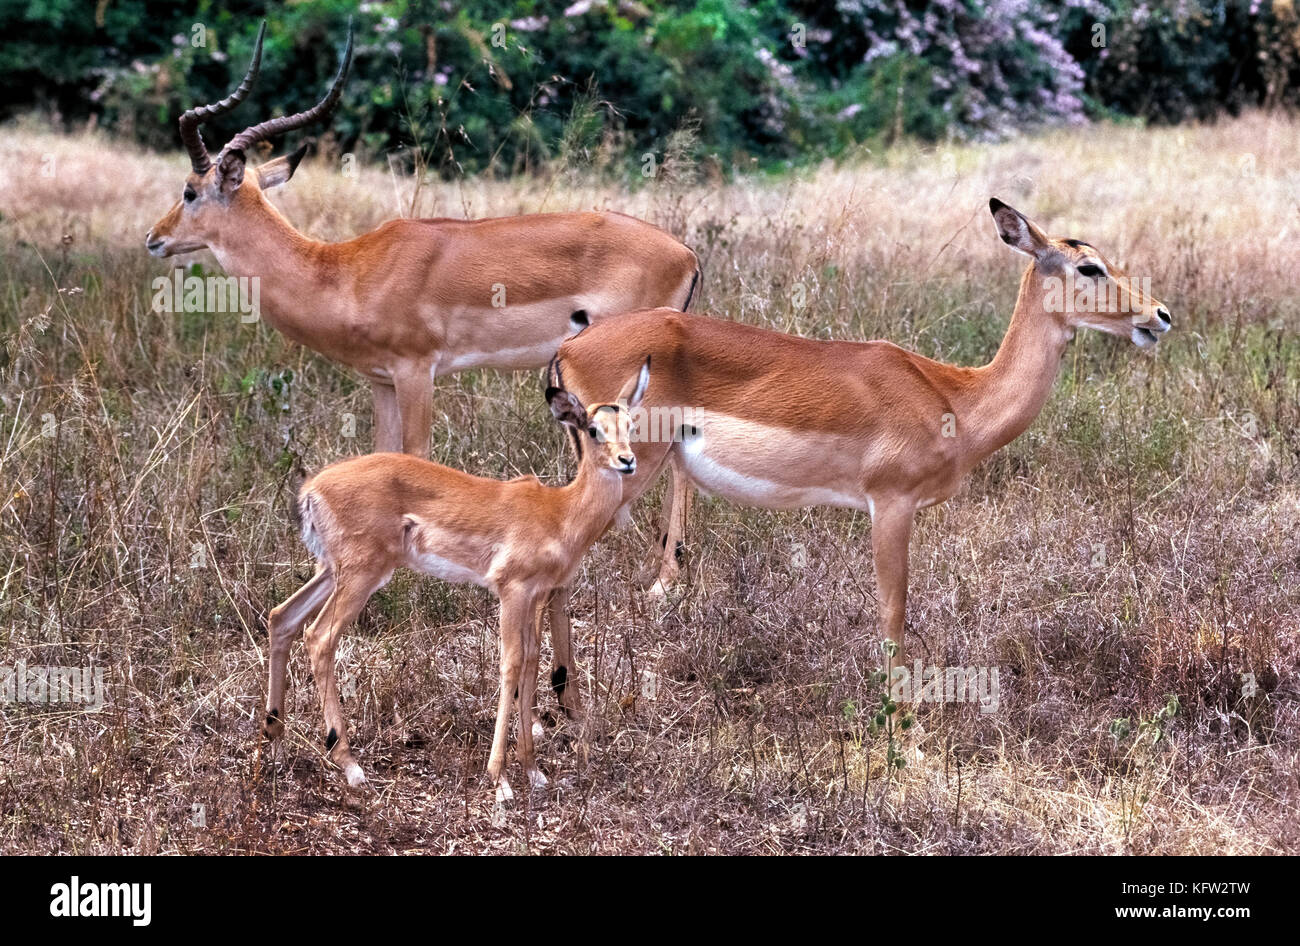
x,y
591,499
262,243
1009,392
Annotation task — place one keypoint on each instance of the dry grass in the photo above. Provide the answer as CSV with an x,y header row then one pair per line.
x,y
747,732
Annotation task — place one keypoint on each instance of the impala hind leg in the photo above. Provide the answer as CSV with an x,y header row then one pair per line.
x,y
285,625
414,391
388,420
564,678
351,592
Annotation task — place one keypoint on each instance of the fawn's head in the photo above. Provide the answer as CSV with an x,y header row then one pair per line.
x,y
604,431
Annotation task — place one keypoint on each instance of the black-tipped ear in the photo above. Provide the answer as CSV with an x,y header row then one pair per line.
x,y
298,154
1017,231
274,173
566,408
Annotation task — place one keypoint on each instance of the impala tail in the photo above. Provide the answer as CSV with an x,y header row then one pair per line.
x,y
314,515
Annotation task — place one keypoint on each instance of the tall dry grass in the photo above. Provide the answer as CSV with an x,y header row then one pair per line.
x,y
1140,540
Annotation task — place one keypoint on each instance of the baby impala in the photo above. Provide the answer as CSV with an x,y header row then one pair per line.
x,y
364,518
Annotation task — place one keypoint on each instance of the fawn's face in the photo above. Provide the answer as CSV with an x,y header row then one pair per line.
x,y
603,432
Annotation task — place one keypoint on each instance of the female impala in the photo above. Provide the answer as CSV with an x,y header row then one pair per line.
x,y
780,421
365,517
416,299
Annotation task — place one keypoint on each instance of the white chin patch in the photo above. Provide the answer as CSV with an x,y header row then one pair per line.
x,y
1142,338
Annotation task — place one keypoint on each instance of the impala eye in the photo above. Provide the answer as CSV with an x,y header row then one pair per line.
x,y
595,433
1087,269
189,195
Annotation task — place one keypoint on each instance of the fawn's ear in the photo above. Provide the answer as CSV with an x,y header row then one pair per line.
x,y
274,173
634,390
566,408
1018,231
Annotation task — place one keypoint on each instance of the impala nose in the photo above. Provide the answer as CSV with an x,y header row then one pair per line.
x,y
629,462
152,245
1163,315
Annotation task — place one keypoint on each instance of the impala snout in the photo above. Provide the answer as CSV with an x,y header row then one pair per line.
x,y
1147,333
627,463
155,246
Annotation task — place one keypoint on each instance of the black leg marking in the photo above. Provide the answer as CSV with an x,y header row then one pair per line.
x,y
559,679
331,739
516,696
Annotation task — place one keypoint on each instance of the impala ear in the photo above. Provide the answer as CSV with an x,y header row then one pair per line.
x,y
274,173
1018,232
230,171
566,408
634,390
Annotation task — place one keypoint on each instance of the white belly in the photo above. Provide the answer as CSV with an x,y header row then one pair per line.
x,y
429,564
755,465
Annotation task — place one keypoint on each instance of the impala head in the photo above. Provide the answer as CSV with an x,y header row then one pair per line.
x,y
215,192
1093,291
604,431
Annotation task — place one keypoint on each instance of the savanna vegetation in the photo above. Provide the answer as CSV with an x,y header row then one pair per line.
x,y
1128,565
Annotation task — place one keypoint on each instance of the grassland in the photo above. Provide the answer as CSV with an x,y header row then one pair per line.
x,y
1142,539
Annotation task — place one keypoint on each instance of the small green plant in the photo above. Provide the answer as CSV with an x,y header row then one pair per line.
x,y
1143,742
886,722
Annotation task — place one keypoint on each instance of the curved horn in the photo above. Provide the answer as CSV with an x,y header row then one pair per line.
x,y
318,112
196,116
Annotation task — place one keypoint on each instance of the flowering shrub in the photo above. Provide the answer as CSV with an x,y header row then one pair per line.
x,y
506,85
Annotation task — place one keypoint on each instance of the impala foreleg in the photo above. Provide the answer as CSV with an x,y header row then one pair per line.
x,y
351,592
672,535
388,419
414,389
285,625
532,646
516,612
891,532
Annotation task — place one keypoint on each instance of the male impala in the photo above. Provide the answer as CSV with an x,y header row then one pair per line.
x,y
416,299
782,422
365,517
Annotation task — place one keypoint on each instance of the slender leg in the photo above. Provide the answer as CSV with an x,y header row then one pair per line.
x,y
285,625
532,641
414,387
388,421
564,678
675,512
516,612
891,531
351,592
